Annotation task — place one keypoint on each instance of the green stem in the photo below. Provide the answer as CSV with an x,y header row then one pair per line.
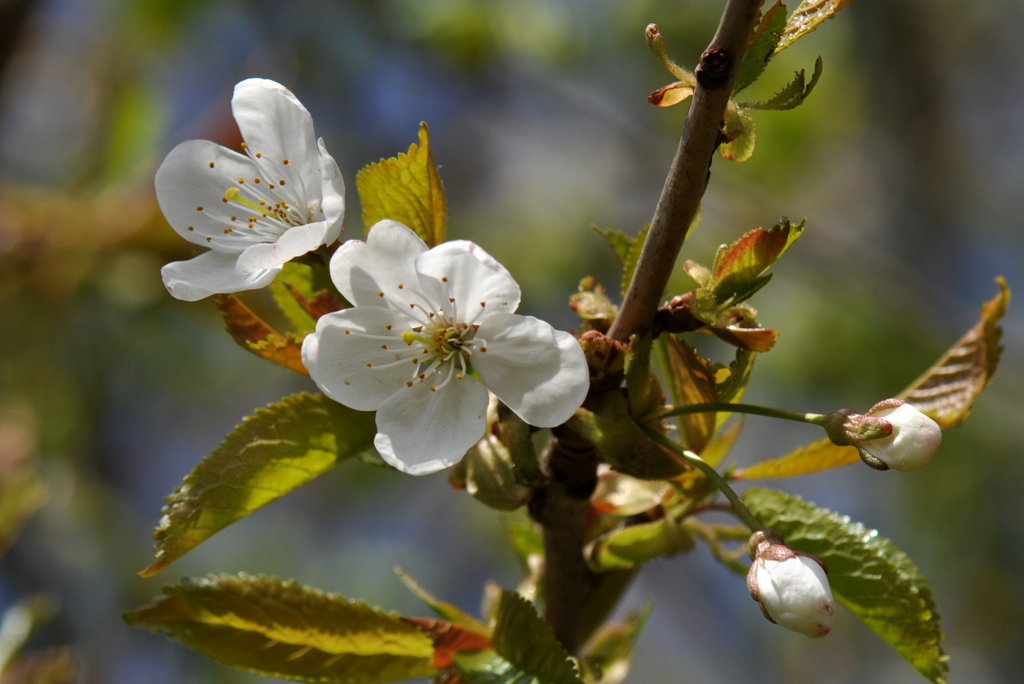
x,y
724,407
741,509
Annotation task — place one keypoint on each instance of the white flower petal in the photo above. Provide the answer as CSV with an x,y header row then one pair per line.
x,y
333,192
212,273
190,187
277,127
292,243
420,431
914,440
385,263
337,360
472,277
538,372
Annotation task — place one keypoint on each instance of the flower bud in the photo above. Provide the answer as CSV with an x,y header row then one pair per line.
x,y
915,437
790,586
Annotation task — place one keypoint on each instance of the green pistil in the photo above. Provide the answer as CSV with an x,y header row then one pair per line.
x,y
233,195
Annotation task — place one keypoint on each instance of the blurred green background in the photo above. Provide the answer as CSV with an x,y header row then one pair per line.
x,y
907,161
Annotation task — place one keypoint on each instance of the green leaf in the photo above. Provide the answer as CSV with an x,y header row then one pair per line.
x,y
591,305
946,391
610,653
524,639
300,279
871,577
807,17
629,264
617,240
739,135
738,267
276,450
793,95
634,545
284,629
761,46
732,382
407,189
487,667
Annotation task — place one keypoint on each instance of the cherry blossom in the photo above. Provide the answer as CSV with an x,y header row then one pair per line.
x,y
430,332
255,211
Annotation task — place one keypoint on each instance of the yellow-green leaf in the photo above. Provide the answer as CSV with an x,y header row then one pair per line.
x,y
739,134
407,189
807,17
284,629
276,450
870,576
691,381
630,546
946,391
813,458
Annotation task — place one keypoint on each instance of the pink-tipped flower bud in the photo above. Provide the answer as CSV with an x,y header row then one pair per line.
x,y
914,440
790,586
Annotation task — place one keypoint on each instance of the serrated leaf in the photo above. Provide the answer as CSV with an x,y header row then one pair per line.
x,y
284,629
276,450
946,391
591,305
609,655
524,639
487,667
629,264
449,612
738,266
739,135
807,17
617,240
871,577
254,335
761,46
634,545
791,96
407,189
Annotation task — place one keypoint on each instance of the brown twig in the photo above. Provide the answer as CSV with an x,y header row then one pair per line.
x,y
570,464
687,178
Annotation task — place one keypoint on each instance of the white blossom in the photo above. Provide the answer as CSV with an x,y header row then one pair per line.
x,y
255,211
914,440
431,330
794,593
